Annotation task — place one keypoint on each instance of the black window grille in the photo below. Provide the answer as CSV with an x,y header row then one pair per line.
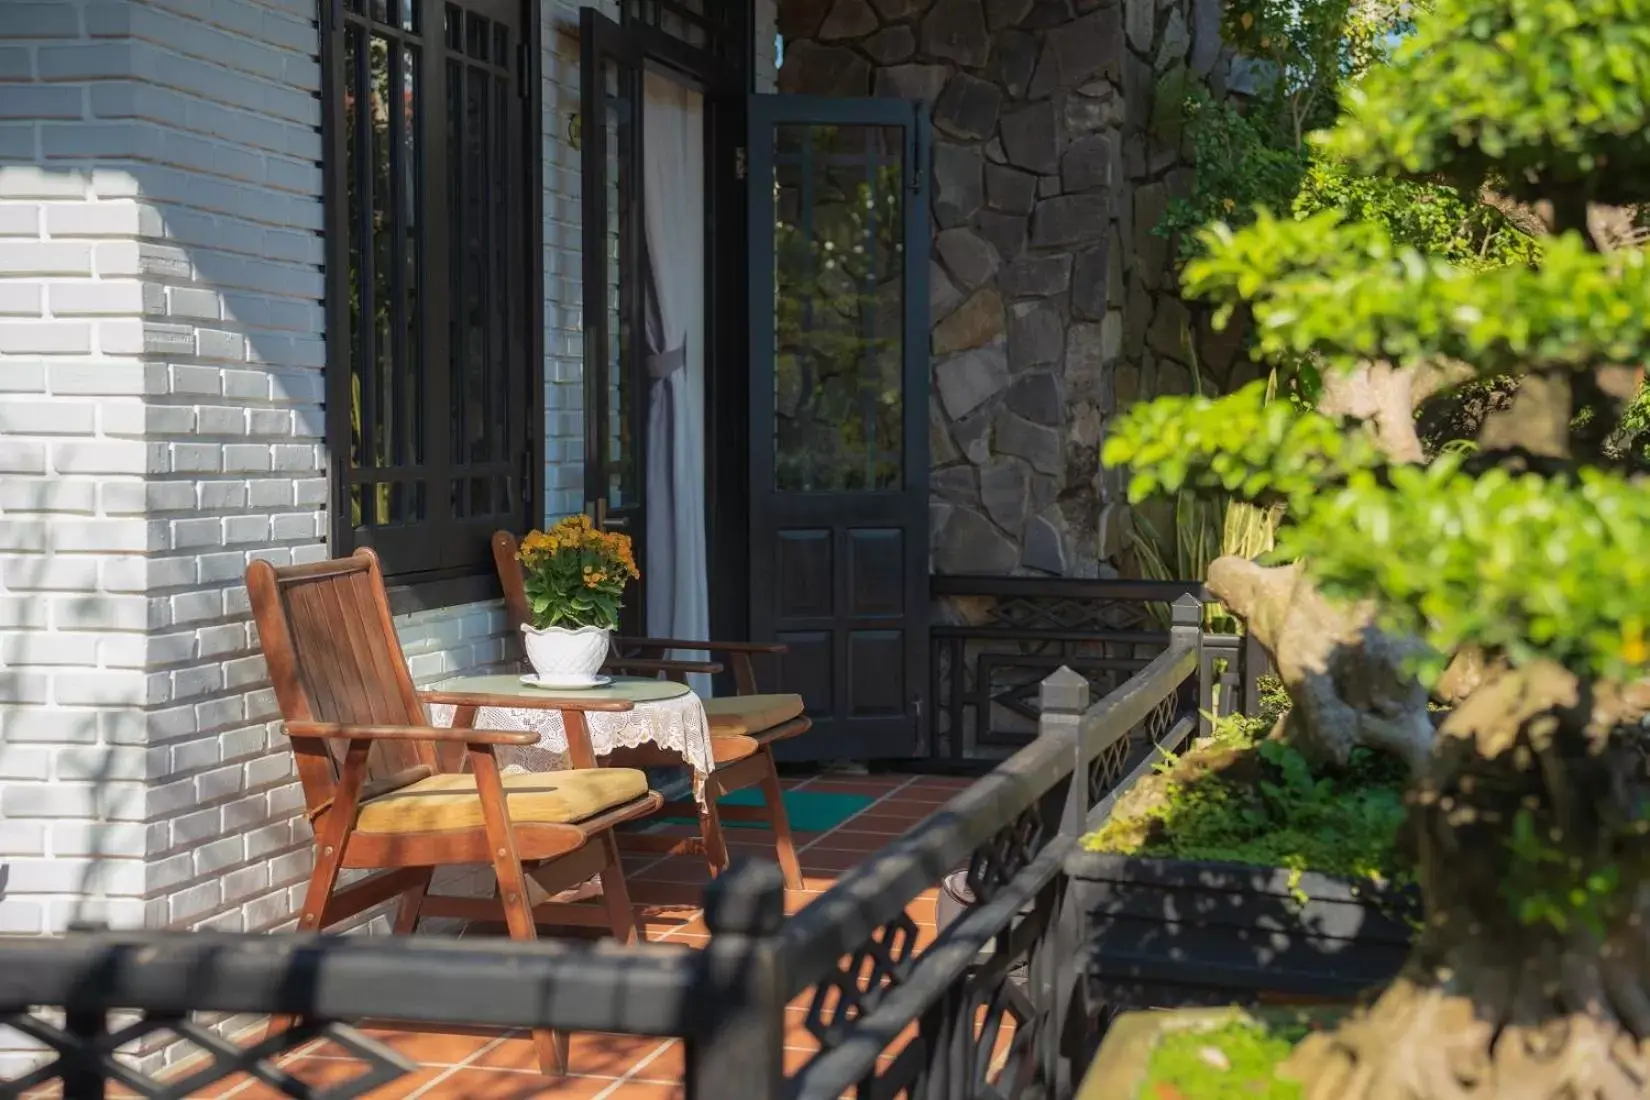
x,y
430,230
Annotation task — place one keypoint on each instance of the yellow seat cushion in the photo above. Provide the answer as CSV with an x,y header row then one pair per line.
x,y
446,802
744,715
730,749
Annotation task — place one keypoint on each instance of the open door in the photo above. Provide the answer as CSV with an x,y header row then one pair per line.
x,y
839,414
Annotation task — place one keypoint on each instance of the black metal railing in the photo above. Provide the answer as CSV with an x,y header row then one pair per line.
x,y
994,639
993,1007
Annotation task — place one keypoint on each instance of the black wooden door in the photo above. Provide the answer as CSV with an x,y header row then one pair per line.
x,y
615,460
839,414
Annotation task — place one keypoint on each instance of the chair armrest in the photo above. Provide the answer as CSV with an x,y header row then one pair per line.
x,y
537,701
340,732
703,647
646,664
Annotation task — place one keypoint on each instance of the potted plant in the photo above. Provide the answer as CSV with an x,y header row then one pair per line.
x,y
575,575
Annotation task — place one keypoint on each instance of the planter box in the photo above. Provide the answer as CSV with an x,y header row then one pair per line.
x,y
1166,933
1120,1068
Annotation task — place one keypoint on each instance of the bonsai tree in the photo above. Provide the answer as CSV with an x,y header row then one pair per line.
x,y
1506,575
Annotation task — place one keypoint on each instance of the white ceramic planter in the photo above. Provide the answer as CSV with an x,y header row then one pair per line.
x,y
557,653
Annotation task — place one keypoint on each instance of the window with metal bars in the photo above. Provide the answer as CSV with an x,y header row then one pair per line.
x,y
430,231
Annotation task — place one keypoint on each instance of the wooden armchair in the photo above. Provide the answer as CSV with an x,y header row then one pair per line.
x,y
377,798
745,727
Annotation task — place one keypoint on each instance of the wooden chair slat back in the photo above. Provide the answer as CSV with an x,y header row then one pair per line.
x,y
333,656
511,580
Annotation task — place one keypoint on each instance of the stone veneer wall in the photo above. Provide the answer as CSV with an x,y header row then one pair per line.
x,y
1057,149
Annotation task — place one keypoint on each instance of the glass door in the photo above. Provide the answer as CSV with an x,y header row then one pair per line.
x,y
838,234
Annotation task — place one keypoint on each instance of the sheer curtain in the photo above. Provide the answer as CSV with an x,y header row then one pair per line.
x,y
673,168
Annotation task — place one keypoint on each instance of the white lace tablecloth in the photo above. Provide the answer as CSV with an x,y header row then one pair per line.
x,y
663,713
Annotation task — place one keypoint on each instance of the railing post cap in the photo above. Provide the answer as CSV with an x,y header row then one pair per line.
x,y
748,899
1063,690
1188,611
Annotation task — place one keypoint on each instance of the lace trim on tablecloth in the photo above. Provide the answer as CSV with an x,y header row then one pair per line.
x,y
676,725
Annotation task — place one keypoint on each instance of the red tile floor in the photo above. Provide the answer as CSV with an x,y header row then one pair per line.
x,y
491,1065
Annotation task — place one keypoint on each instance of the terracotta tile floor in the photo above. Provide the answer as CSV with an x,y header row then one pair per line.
x,y
477,1065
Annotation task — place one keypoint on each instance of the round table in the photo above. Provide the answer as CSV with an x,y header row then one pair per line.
x,y
662,713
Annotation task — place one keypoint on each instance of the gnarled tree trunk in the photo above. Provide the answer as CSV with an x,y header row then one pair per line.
x,y
1531,979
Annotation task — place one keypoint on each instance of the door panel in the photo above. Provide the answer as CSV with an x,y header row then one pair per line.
x,y
839,400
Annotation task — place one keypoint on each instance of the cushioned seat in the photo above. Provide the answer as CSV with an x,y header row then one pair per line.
x,y
444,802
746,715
731,747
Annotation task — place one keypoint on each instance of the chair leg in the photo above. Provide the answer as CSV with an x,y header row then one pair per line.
x,y
621,918
406,914
322,880
551,1046
780,822
710,828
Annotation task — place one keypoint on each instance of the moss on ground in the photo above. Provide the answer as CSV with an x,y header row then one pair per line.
x,y
1237,1061
1243,797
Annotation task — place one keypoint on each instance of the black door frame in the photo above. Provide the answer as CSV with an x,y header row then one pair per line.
x,y
638,44
870,508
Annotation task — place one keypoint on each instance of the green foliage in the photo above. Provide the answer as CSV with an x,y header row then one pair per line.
x,y
1547,885
1543,95
1249,1051
1242,798
1345,292
1242,444
1530,566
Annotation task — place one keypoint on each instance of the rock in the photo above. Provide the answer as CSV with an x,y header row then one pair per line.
x,y
1069,220
848,19
1046,77
1091,46
1168,333
1137,317
1036,397
975,323
891,45
967,256
940,448
1004,491
1036,336
1111,336
1151,203
1084,361
968,107
994,152
1174,43
958,187
1088,283
1205,36
1168,117
800,19
973,435
1045,14
924,82
1126,385
970,543
1005,13
892,10
1017,436
943,295
814,69
1250,76
1088,163
1015,59
1115,287
955,30
1035,276
1138,17
967,381
1048,187
955,484
1044,546
1008,190
1083,425
1006,232
1032,139
1100,112
1116,521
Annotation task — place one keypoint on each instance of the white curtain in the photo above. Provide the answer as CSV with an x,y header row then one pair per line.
x,y
673,180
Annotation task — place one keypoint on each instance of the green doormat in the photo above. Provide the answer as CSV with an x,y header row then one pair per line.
x,y
809,811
